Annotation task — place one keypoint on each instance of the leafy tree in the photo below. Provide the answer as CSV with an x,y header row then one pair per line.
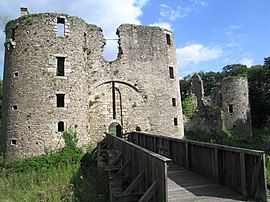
x,y
259,95
267,63
234,70
210,81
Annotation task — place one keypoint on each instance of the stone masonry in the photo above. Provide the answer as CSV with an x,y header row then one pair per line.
x,y
228,107
54,82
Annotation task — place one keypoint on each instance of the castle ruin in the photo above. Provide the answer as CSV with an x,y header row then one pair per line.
x,y
56,78
227,107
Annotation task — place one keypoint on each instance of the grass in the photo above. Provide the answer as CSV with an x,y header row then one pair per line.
x,y
65,175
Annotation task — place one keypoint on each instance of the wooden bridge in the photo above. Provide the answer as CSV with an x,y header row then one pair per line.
x,y
158,168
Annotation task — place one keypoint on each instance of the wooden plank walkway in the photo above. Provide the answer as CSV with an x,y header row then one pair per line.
x,y
185,185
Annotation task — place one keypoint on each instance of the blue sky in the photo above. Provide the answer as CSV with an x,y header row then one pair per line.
x,y
209,33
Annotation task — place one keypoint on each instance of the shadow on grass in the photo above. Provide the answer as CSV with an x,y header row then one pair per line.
x,y
89,184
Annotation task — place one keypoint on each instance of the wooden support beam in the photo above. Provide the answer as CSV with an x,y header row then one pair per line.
x,y
129,197
149,193
216,165
116,160
121,171
139,179
243,174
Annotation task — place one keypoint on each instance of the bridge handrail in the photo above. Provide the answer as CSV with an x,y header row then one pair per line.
x,y
212,145
239,168
152,165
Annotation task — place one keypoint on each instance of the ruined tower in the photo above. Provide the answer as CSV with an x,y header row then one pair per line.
x,y
235,105
56,78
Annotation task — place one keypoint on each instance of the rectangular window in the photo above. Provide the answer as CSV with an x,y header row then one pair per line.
x,y
13,34
14,107
16,74
13,141
173,102
60,66
61,126
168,39
60,26
171,72
60,100
230,108
175,122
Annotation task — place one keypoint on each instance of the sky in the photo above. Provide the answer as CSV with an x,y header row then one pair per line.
x,y
210,34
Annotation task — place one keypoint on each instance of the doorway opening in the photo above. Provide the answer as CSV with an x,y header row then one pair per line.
x,y
115,129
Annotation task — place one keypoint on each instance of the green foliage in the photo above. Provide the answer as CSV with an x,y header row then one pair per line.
x,y
65,175
189,106
185,85
70,154
234,70
211,80
268,171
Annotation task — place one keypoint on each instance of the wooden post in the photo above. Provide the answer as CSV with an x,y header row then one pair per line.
x,y
216,166
243,174
187,157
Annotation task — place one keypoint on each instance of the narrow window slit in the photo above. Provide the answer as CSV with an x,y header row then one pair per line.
x,y
61,126
230,108
168,39
175,121
60,26
173,102
171,71
60,66
60,100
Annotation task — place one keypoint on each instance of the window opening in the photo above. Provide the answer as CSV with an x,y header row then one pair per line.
x,y
168,39
175,121
230,108
14,107
16,74
60,100
60,66
61,126
13,34
13,142
173,102
61,26
171,72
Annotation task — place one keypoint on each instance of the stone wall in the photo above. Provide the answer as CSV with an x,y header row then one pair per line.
x,y
144,88
235,105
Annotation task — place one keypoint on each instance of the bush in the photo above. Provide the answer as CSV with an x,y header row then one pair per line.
x,y
69,154
189,106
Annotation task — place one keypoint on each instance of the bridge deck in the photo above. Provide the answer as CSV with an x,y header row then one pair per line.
x,y
184,185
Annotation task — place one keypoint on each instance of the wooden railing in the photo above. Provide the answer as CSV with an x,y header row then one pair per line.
x,y
241,169
145,170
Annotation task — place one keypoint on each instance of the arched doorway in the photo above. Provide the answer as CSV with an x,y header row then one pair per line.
x,y
115,129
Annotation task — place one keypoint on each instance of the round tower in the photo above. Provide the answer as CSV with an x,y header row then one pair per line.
x,y
235,106
45,81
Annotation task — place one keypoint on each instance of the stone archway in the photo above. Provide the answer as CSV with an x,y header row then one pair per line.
x,y
115,129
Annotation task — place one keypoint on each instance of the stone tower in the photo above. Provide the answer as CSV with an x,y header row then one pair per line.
x,y
56,78
235,105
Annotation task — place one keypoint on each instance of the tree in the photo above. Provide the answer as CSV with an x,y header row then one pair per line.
x,y
234,70
259,95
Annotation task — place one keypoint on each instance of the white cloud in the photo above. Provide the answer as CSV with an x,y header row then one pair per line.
x,y
246,61
164,25
181,11
104,13
195,53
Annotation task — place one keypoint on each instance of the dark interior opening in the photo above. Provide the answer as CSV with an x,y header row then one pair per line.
x,y
13,142
175,121
13,34
60,99
61,126
168,39
171,72
16,74
14,107
230,108
60,26
173,102
60,66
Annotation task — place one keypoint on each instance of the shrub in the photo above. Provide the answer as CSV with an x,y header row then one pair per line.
x,y
189,107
